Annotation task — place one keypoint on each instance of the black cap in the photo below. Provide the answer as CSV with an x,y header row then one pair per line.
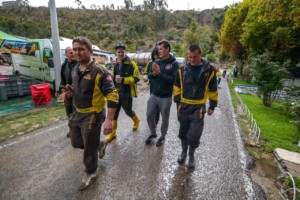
x,y
155,50
120,45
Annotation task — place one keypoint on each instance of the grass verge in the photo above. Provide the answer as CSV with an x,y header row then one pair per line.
x,y
277,131
28,121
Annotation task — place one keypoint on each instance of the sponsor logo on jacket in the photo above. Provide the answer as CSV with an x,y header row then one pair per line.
x,y
88,77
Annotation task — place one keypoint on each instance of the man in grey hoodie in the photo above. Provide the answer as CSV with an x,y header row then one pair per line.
x,y
162,75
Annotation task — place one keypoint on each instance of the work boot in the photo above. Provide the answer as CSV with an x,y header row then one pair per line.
x,y
113,134
160,141
182,156
101,149
191,163
136,122
148,140
87,180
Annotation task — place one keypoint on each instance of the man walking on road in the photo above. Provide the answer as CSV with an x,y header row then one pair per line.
x,y
162,76
92,88
126,74
193,85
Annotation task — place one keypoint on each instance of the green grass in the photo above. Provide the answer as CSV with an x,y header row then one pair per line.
x,y
276,127
28,121
240,81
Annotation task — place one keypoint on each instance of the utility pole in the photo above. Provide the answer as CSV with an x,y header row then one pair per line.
x,y
55,42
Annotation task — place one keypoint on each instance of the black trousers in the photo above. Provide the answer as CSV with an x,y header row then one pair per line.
x,y
126,104
69,106
191,120
85,134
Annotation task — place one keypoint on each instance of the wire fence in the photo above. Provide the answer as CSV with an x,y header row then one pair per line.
x,y
295,190
254,128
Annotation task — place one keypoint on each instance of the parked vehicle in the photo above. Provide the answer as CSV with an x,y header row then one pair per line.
x,y
34,58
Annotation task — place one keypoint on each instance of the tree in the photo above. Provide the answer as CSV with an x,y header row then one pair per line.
x,y
268,76
128,4
155,4
274,26
112,6
198,35
231,30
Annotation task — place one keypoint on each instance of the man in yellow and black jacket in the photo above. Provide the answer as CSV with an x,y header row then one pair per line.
x,y
92,89
125,74
194,84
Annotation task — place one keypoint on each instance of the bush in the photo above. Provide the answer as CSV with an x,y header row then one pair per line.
x,y
293,104
211,57
247,73
268,77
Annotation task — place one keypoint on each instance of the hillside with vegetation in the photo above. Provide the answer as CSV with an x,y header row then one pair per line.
x,y
140,29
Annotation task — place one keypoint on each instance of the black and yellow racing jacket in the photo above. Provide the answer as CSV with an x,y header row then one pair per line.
x,y
130,73
148,67
191,91
93,89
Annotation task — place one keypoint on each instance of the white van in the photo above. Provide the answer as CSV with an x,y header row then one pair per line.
x,y
34,58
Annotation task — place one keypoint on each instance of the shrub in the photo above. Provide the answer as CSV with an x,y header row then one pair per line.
x,y
293,104
211,57
268,77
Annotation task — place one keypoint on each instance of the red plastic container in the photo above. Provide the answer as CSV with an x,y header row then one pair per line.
x,y
41,94
3,77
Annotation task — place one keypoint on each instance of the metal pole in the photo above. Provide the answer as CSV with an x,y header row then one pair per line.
x,y
55,42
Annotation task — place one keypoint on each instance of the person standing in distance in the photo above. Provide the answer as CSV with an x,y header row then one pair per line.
x,y
194,84
125,73
92,89
162,76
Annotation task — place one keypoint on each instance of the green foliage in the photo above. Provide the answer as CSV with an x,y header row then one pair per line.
x,y
268,77
29,121
201,35
254,26
274,26
231,30
211,57
293,105
176,48
275,125
276,128
106,27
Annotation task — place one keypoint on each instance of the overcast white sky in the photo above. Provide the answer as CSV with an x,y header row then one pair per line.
x,y
172,4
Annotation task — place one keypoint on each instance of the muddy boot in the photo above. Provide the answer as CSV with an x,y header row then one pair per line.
x,y
191,163
113,134
182,156
136,122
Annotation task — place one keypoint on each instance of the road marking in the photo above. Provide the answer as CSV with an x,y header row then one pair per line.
x,y
29,136
240,145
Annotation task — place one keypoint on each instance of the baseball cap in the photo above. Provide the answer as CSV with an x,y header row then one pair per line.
x,y
120,45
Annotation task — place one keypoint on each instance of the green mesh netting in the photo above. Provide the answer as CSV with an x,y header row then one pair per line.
x,y
20,104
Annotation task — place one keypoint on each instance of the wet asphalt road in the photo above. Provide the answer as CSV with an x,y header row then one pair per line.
x,y
43,164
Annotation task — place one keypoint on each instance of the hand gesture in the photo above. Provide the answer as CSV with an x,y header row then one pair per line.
x,y
156,68
68,90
